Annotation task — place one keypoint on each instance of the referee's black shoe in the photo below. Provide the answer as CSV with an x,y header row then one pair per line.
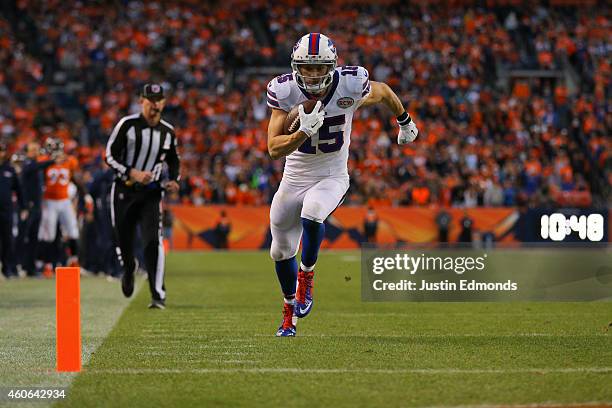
x,y
157,304
127,281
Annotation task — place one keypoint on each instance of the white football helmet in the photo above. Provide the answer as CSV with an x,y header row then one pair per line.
x,y
314,48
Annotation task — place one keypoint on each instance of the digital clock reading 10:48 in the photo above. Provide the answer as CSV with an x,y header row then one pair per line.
x,y
557,226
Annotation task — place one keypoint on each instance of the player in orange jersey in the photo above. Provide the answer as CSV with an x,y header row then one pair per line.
x,y
57,205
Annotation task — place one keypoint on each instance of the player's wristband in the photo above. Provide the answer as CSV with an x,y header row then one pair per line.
x,y
404,119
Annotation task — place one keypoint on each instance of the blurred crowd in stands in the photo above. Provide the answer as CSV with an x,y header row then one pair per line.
x,y
493,133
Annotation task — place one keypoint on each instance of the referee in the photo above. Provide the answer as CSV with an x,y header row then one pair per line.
x,y
136,151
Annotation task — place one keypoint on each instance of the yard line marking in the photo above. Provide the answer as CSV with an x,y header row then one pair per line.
x,y
212,336
548,404
263,370
431,335
188,348
350,258
177,339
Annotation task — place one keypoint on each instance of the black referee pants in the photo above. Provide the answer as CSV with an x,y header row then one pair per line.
x,y
130,207
28,240
6,243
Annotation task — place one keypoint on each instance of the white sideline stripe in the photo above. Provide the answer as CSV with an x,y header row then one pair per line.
x,y
66,380
351,370
138,284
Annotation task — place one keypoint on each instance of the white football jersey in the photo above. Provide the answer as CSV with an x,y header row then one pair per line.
x,y
326,152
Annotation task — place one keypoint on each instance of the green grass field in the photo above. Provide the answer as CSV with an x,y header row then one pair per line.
x,y
214,344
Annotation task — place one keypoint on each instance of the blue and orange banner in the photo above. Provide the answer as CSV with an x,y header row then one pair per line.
x,y
195,227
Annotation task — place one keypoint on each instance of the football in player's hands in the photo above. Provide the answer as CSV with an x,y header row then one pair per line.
x,y
292,121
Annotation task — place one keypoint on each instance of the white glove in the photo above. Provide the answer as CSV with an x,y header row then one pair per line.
x,y
407,133
311,122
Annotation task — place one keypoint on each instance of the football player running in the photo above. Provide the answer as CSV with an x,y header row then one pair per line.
x,y
315,178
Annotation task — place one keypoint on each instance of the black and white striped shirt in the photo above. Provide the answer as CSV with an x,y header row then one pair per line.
x,y
135,144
